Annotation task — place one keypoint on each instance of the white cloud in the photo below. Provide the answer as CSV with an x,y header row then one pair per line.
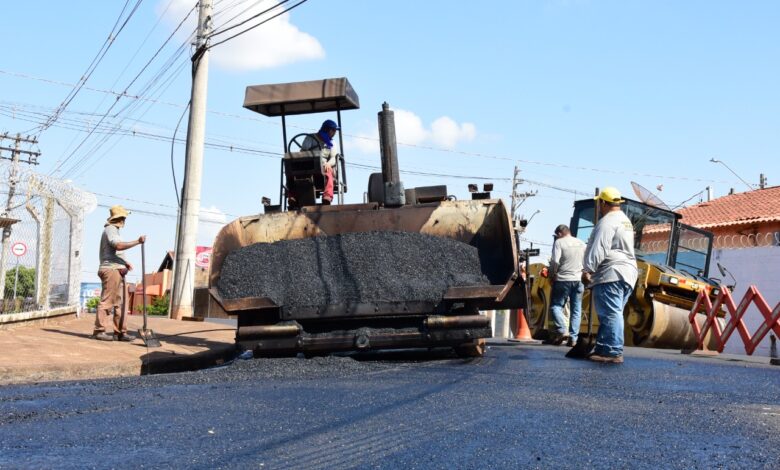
x,y
409,129
447,133
210,222
277,42
364,142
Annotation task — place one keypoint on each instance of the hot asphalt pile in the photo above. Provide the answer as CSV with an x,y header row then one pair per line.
x,y
351,268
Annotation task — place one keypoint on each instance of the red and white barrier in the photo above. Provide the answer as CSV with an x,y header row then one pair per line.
x,y
724,299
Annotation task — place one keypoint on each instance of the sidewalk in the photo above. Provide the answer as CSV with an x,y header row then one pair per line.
x,y
67,352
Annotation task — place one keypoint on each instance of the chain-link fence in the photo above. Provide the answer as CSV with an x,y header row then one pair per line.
x,y
42,221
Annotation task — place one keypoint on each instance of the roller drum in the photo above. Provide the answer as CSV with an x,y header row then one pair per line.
x,y
669,328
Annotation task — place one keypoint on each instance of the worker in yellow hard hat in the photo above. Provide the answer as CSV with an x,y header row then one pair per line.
x,y
610,271
109,326
610,195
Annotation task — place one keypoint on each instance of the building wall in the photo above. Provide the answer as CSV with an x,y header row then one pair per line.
x,y
750,266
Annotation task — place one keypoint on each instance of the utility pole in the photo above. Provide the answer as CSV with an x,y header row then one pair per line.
x,y
518,199
13,181
183,275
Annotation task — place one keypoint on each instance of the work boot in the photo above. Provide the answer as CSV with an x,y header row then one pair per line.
x,y
555,339
606,359
124,337
103,336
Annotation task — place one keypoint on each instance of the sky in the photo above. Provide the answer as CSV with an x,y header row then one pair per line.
x,y
577,94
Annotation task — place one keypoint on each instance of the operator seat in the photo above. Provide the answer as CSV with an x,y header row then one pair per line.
x,y
304,179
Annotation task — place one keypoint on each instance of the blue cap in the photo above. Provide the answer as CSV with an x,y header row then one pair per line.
x,y
330,124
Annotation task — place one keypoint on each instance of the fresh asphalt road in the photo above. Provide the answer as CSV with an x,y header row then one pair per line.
x,y
521,406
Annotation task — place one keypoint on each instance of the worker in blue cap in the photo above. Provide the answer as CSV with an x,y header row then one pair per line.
x,y
323,141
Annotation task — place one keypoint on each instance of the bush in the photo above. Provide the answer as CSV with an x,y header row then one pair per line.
x,y
159,306
92,304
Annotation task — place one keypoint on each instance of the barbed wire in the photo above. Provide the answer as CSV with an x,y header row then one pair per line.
x,y
61,190
732,241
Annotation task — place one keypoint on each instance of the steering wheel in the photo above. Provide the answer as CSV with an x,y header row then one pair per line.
x,y
295,141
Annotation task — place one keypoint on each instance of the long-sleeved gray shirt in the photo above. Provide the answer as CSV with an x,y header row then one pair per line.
x,y
610,252
109,258
328,155
566,262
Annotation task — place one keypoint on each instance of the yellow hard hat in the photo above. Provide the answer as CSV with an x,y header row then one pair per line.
x,y
117,212
611,195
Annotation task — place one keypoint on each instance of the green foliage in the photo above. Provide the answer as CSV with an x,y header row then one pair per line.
x,y
159,306
92,303
25,286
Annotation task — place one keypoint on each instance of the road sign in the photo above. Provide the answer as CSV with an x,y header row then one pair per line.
x,y
531,252
19,249
202,256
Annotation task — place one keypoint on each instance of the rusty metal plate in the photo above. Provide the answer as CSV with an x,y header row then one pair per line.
x,y
242,304
492,292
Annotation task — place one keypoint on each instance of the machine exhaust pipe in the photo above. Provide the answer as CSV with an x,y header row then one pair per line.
x,y
388,148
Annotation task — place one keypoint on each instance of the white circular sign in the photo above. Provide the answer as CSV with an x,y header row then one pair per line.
x,y
19,249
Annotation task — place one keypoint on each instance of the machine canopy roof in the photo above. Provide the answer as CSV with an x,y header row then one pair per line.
x,y
316,96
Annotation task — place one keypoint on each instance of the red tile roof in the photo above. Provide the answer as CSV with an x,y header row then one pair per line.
x,y
751,207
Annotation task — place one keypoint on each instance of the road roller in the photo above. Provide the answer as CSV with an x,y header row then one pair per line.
x,y
312,277
673,263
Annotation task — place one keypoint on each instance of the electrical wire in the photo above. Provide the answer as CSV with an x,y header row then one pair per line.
x,y
224,30
221,12
126,88
258,24
173,169
93,65
403,144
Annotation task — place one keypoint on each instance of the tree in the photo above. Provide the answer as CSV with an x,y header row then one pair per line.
x,y
26,284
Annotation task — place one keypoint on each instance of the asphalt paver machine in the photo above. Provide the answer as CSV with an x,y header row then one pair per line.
x,y
381,309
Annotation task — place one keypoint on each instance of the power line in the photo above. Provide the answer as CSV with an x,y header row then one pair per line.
x,y
93,65
129,109
258,24
225,10
422,147
143,69
224,30
163,214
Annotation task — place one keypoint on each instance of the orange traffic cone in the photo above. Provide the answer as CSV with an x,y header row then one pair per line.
x,y
522,332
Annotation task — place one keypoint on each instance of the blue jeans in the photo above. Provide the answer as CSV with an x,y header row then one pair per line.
x,y
610,299
561,291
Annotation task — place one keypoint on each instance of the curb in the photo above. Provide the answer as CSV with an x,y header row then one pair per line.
x,y
149,364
